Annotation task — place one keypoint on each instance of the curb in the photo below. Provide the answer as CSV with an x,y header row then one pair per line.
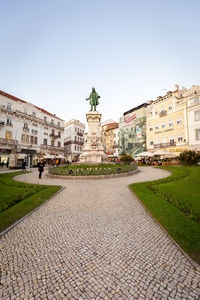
x,y
193,263
93,177
2,233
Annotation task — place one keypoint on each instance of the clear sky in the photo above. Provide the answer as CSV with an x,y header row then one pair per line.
x,y
52,52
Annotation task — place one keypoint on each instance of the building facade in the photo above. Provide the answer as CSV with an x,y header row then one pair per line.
x,y
110,133
193,117
171,121
74,135
28,132
132,131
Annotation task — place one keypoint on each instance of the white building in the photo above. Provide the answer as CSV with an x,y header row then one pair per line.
x,y
193,116
28,132
74,134
116,142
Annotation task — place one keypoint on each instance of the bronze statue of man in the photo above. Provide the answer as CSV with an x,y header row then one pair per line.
x,y
94,99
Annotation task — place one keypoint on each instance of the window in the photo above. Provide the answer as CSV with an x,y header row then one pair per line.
x,y
157,127
27,138
58,123
45,119
9,106
196,100
52,143
23,137
45,141
171,141
151,129
58,144
178,122
35,140
180,139
32,140
8,135
197,115
171,123
34,131
151,142
34,114
25,112
163,125
170,107
156,113
75,147
9,121
26,125
52,121
59,134
197,134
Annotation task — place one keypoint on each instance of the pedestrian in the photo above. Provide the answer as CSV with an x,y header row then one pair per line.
x,y
24,166
7,163
2,163
40,169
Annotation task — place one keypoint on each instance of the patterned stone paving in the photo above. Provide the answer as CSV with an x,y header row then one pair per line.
x,y
94,241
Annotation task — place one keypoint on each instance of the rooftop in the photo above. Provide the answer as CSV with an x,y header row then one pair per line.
x,y
23,101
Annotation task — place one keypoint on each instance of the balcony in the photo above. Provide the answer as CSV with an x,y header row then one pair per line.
x,y
165,145
73,142
49,147
163,113
55,136
2,123
25,129
79,133
8,142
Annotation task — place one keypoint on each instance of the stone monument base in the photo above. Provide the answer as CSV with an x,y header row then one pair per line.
x,y
93,151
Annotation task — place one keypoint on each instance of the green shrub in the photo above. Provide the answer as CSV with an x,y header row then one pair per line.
x,y
189,157
126,158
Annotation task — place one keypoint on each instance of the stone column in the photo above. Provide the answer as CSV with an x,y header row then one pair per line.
x,y
93,151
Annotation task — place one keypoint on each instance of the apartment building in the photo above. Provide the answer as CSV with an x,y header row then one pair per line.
x,y
167,122
170,119
74,135
28,132
110,137
132,130
193,117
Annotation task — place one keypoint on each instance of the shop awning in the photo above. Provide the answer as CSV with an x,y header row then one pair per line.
x,y
20,156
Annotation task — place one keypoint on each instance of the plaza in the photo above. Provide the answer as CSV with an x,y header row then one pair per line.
x,y
94,240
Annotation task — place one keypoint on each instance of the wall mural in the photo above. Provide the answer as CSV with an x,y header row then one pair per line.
x,y
132,134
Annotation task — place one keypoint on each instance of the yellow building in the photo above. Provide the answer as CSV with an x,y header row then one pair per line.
x,y
110,138
167,127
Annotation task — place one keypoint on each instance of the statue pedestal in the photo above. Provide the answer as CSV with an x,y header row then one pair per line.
x,y
93,151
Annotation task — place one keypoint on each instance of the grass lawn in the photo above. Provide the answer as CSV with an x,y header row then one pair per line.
x,y
175,203
17,199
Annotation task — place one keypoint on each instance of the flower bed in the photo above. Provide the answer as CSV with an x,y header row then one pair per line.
x,y
93,170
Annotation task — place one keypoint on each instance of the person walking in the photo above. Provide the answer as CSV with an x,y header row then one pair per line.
x,y
40,169
23,166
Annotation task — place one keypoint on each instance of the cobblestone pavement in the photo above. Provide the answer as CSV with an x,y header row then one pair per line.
x,y
94,240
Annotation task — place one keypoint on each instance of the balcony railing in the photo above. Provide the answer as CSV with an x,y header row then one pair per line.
x,y
165,145
73,142
49,147
163,113
8,142
55,135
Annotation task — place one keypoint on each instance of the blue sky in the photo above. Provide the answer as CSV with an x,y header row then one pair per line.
x,y
53,52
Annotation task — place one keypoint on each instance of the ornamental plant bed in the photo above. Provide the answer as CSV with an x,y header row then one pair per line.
x,y
93,170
